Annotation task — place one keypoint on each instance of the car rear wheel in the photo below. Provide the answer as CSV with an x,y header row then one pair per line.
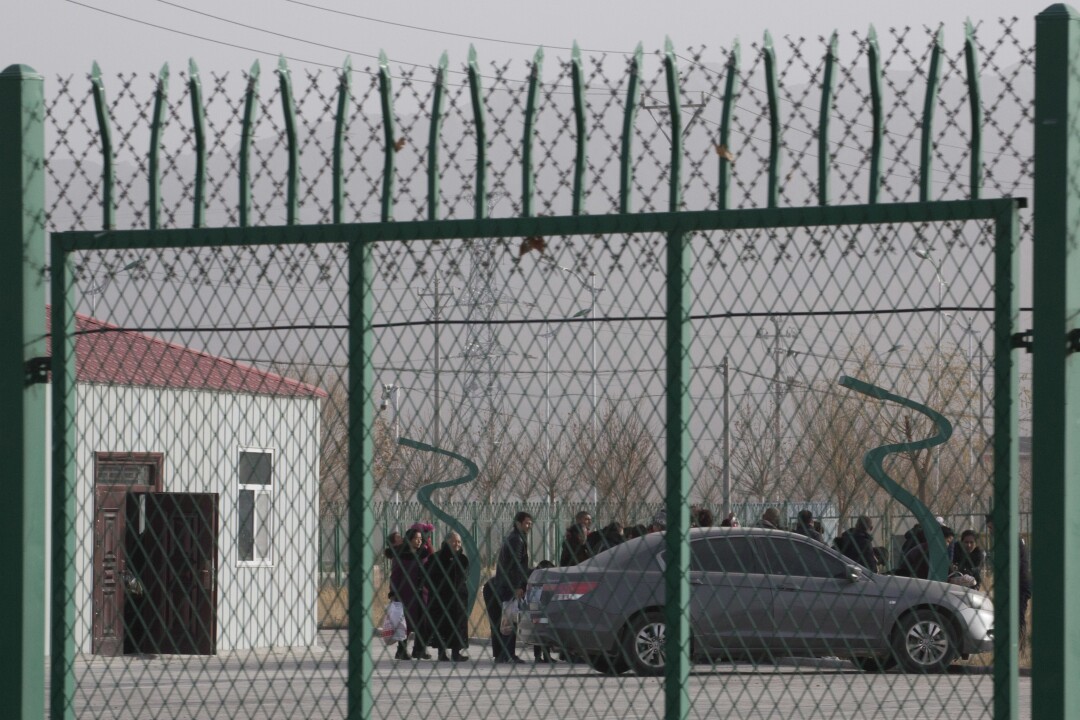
x,y
924,642
643,644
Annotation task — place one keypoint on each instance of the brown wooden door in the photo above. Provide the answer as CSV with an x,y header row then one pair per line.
x,y
115,476
110,563
175,559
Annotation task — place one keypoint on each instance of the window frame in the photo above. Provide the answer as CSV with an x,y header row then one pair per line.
x,y
257,490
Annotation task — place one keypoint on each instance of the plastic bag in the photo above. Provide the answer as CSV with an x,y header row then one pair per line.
x,y
394,628
511,616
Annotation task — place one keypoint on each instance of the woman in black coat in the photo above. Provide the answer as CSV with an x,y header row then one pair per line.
x,y
408,582
448,603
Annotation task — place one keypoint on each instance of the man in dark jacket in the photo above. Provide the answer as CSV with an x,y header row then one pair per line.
x,y
605,539
805,526
916,561
511,576
770,519
858,543
575,547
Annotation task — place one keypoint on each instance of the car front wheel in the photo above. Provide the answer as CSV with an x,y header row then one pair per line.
x,y
643,644
924,642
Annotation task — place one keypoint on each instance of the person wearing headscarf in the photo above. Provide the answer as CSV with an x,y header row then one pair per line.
x,y
448,573
408,580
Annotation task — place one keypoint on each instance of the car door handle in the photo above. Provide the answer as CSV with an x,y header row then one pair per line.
x,y
789,588
694,581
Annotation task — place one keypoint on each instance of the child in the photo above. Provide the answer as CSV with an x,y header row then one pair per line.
x,y
542,653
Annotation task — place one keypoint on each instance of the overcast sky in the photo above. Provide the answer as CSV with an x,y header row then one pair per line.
x,y
65,36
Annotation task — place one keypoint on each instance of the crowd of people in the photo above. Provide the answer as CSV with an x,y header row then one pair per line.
x,y
433,590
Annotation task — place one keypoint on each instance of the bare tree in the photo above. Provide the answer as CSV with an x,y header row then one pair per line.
x,y
620,460
757,469
834,431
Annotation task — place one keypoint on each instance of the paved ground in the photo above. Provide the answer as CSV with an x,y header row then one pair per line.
x,y
310,683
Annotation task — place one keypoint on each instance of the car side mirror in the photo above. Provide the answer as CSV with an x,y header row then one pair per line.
x,y
854,573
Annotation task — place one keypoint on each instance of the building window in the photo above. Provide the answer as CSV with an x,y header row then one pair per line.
x,y
254,503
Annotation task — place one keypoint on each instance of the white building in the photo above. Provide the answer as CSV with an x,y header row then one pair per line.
x,y
196,500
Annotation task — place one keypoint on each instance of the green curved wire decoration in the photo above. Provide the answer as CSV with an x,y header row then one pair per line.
x,y
472,551
872,463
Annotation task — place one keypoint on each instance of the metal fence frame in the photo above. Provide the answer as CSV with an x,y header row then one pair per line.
x,y
1003,214
1057,372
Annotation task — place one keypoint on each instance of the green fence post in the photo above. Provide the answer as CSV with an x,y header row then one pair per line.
x,y
361,465
926,144
386,102
198,130
1006,464
731,89
288,113
22,440
828,85
772,90
477,97
101,108
341,125
577,81
873,60
247,134
527,180
157,126
1055,568
971,63
677,571
626,160
437,100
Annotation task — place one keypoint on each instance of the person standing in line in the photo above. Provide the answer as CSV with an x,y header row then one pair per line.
x,y
968,557
448,573
511,576
805,526
858,543
574,548
770,519
408,580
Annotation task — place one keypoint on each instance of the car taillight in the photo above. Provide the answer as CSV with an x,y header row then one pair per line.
x,y
569,590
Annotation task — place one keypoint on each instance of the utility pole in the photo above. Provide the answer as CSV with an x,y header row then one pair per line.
x,y
778,352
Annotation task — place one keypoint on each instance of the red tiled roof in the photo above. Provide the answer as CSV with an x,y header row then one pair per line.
x,y
108,354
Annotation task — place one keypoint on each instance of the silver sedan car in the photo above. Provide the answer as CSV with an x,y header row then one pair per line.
x,y
754,594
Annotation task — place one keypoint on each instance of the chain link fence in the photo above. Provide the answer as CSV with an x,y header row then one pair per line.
x,y
219,394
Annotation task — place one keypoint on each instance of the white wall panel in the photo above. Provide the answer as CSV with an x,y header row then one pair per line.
x,y
201,434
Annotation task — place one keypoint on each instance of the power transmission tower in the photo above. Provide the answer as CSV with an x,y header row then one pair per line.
x,y
484,354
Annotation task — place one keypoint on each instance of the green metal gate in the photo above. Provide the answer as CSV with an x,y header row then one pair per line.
x,y
215,391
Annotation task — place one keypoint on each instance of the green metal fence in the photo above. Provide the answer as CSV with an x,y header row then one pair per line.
x,y
656,323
